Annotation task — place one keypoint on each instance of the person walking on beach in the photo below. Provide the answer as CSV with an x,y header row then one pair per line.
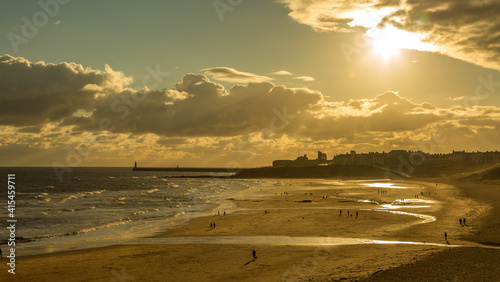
x,y
1,253
340,213
356,215
211,225
464,220
347,213
446,238
460,220
254,254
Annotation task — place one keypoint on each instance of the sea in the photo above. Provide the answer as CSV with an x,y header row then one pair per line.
x,y
97,207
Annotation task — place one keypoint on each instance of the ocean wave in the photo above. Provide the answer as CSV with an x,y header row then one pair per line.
x,y
153,190
85,230
40,195
82,194
146,211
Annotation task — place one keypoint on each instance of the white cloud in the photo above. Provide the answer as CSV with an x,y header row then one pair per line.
x,y
282,72
235,76
305,78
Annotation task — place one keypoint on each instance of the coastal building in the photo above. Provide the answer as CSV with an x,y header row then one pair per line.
x,y
302,161
396,157
393,158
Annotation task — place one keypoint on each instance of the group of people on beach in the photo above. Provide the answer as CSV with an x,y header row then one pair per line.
x,y
348,214
212,224
462,221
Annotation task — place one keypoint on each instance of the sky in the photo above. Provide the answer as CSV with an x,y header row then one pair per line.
x,y
238,83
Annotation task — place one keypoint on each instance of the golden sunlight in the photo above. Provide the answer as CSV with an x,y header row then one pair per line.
x,y
388,41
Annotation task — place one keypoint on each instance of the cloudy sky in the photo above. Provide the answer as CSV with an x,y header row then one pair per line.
x,y
241,83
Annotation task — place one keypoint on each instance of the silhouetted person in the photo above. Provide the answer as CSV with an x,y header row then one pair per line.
x,y
356,215
460,220
446,238
211,225
1,253
347,213
340,213
254,254
214,224
464,220
224,213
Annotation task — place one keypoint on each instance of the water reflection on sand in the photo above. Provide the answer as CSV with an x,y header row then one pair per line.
x,y
288,241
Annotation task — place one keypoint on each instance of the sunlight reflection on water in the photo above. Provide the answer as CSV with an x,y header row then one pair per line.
x,y
384,185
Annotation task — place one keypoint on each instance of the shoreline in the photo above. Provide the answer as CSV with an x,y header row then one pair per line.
x,y
336,262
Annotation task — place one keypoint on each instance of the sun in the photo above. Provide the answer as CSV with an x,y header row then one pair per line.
x,y
388,41
386,46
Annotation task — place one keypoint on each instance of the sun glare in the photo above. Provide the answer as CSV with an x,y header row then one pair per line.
x,y
389,40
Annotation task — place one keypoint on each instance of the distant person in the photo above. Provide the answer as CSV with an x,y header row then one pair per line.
x,y
340,213
1,253
224,213
211,225
347,213
446,238
218,212
356,215
464,220
254,254
460,220
214,225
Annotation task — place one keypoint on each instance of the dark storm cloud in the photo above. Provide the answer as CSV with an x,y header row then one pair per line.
x,y
34,93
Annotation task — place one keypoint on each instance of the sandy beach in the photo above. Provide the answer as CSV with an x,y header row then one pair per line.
x,y
302,237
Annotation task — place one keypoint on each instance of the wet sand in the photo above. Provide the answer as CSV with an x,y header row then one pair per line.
x,y
299,215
